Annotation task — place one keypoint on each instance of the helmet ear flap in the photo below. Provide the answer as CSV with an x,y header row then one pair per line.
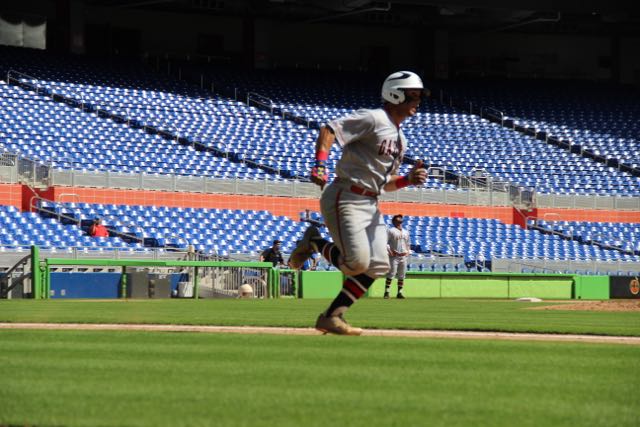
x,y
397,95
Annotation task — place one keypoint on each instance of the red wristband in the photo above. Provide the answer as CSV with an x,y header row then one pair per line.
x,y
402,182
322,155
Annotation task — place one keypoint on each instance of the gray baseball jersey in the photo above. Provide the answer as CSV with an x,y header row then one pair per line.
x,y
398,240
373,147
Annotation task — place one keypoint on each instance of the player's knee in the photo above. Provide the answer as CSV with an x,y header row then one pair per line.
x,y
356,268
378,269
357,264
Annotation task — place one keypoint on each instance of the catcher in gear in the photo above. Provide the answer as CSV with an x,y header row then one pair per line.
x,y
373,147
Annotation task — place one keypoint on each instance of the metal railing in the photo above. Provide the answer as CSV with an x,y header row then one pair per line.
x,y
288,285
443,253
17,275
14,76
189,253
547,265
17,168
492,112
499,116
8,166
31,82
34,206
261,100
481,180
225,282
42,175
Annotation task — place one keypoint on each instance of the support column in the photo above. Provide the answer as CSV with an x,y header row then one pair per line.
x,y
36,274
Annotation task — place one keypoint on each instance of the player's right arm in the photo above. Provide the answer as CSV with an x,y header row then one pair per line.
x,y
319,173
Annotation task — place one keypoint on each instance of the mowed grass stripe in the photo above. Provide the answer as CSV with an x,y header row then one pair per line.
x,y
89,378
470,315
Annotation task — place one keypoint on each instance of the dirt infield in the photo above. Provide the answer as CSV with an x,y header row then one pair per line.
x,y
617,305
310,331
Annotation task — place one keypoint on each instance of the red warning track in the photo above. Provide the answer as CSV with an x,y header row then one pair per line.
x,y
511,336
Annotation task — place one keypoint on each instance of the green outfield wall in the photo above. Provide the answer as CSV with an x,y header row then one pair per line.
x,y
416,287
320,284
327,284
546,287
469,285
592,287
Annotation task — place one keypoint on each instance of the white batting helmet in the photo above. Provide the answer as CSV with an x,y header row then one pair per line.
x,y
394,85
245,291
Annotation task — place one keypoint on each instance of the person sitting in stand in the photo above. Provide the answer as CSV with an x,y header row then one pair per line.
x,y
273,254
97,229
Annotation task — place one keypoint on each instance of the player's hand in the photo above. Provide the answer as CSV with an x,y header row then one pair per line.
x,y
319,175
418,174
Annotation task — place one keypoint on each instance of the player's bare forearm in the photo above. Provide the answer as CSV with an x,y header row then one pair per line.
x,y
392,184
325,140
319,173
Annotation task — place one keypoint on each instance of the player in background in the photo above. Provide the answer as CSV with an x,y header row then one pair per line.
x,y
399,248
373,147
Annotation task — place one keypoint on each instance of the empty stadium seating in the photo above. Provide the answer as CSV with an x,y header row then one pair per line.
x,y
20,229
218,231
624,236
65,137
440,244
85,115
476,239
447,137
174,110
597,119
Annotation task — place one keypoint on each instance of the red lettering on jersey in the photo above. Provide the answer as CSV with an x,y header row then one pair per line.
x,y
389,147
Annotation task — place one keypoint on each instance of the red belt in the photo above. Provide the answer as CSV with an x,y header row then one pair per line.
x,y
362,191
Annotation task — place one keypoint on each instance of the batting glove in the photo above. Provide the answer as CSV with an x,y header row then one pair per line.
x,y
320,173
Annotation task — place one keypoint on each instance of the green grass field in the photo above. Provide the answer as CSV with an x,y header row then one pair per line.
x,y
100,378
487,315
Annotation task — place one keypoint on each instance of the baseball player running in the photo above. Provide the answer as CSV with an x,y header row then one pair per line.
x,y
398,247
373,146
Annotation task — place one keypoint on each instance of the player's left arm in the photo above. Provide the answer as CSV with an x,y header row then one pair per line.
x,y
416,176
